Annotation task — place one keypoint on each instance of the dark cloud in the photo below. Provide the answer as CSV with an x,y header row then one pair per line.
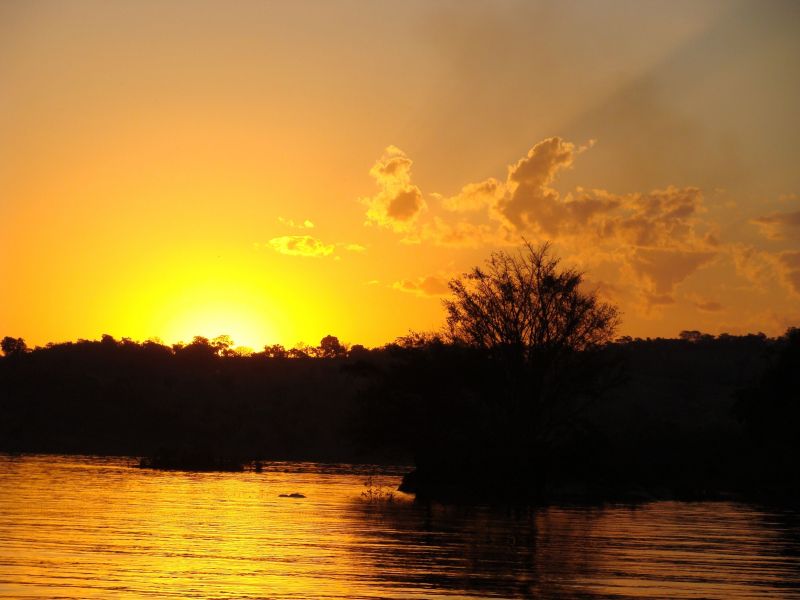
x,y
405,205
704,304
777,225
659,271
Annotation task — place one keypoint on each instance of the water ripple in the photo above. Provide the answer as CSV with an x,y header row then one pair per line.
x,y
77,527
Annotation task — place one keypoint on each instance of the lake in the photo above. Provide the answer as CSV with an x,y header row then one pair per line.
x,y
78,527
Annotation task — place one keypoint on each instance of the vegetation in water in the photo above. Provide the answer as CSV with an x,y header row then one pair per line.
x,y
376,493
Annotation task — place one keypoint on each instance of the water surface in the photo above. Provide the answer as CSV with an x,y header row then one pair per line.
x,y
101,528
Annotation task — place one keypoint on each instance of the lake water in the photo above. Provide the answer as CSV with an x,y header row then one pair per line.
x,y
101,528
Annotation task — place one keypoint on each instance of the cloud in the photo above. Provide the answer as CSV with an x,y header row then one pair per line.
x,y
777,225
662,269
405,205
704,304
432,285
788,265
665,218
399,202
659,218
460,234
657,239
655,236
493,212
761,267
657,300
528,191
301,245
308,246
475,196
654,274
756,266
605,290
305,224
645,244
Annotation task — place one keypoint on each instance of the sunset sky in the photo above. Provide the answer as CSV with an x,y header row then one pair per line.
x,y
279,171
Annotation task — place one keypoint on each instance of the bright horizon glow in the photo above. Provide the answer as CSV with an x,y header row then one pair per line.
x,y
215,320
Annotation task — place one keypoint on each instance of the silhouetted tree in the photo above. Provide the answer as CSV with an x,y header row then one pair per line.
x,y
524,304
417,339
535,320
489,404
302,350
358,351
223,344
275,351
13,346
694,336
690,335
330,347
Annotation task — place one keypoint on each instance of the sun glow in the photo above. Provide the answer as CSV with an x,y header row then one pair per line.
x,y
161,168
242,323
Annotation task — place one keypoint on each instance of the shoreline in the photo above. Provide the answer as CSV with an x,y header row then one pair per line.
x,y
564,494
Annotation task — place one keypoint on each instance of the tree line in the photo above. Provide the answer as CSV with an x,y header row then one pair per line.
x,y
220,346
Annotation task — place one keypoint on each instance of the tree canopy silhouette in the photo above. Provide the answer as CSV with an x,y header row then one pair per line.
x,y
541,326
331,347
524,304
13,346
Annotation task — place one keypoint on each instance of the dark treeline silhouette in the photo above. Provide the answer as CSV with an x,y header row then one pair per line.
x,y
692,416
688,418
202,404
526,395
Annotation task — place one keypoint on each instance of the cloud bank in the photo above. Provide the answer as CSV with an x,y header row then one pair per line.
x,y
650,242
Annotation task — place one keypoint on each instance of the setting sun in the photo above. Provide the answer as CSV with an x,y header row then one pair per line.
x,y
241,323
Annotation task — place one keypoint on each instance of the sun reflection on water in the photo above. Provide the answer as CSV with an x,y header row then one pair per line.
x,y
80,528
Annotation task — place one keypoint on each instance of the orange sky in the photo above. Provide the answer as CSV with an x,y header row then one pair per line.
x,y
279,171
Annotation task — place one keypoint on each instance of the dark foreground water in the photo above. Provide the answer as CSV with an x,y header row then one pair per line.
x,y
98,528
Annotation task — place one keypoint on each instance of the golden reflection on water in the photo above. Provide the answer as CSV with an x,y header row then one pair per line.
x,y
82,528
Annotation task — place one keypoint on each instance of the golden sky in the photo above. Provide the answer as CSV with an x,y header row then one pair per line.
x,y
278,171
